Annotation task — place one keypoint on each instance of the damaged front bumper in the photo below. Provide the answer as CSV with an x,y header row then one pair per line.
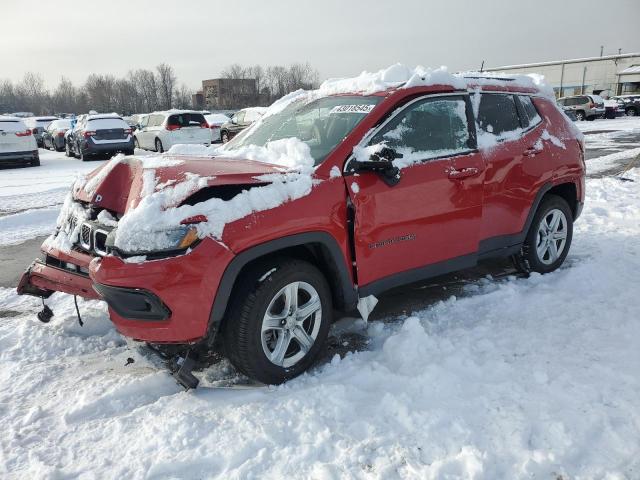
x,y
58,271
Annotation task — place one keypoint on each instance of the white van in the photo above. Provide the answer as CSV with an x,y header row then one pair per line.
x,y
159,131
17,143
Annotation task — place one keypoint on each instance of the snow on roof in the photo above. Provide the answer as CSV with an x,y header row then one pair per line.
x,y
401,76
216,118
560,62
260,110
96,116
9,118
630,70
174,111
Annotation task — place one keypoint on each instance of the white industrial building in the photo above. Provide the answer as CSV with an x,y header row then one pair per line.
x,y
607,75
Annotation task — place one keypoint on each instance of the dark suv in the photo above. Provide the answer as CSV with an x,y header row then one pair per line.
x,y
330,199
239,121
99,135
629,103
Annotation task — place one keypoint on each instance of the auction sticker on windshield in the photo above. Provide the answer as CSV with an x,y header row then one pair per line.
x,y
363,108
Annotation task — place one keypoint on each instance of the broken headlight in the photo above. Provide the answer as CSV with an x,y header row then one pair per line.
x,y
162,241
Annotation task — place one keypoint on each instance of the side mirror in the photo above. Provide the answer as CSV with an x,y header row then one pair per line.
x,y
234,120
382,163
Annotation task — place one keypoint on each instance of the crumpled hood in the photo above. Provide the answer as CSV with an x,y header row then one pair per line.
x,y
123,182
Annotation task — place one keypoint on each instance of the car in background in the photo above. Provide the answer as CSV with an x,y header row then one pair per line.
x,y
215,121
159,131
612,109
37,126
630,104
585,107
53,135
99,135
17,144
240,120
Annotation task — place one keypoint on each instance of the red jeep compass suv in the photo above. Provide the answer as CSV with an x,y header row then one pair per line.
x,y
334,196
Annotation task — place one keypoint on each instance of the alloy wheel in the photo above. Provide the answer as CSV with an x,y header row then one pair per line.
x,y
552,236
291,324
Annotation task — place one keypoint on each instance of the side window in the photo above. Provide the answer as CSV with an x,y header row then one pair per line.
x,y
239,117
428,128
562,102
144,122
497,113
529,116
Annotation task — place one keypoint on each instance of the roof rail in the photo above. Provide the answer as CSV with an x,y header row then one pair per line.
x,y
490,77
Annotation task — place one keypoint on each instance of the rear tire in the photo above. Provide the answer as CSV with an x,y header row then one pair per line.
x,y
270,337
68,152
224,137
549,239
630,112
81,155
35,162
580,116
159,148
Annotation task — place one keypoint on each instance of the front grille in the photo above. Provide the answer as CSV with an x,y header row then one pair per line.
x,y
85,236
100,242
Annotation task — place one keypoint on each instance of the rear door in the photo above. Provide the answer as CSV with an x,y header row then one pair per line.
x,y
505,146
429,221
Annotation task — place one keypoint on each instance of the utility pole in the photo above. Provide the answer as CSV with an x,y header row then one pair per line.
x,y
601,49
482,66
619,51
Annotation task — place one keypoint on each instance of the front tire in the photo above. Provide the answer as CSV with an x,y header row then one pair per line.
x,y
580,116
159,148
224,137
631,112
277,325
549,239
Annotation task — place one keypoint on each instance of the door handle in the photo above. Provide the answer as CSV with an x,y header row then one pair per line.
x,y
463,173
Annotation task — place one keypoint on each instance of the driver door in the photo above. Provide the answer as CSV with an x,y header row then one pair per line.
x,y
429,222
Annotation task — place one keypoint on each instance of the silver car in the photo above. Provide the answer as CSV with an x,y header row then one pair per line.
x,y
585,107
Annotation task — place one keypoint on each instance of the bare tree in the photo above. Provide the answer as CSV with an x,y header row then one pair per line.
x,y
64,98
166,80
182,97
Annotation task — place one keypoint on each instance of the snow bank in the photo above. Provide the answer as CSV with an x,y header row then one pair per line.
x,y
515,378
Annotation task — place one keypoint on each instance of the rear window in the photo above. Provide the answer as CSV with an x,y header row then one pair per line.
x,y
186,120
106,124
497,113
528,114
12,126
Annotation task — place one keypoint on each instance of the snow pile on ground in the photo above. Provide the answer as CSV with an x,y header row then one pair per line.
x,y
517,378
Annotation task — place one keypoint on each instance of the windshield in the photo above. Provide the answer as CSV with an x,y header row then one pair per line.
x,y
322,124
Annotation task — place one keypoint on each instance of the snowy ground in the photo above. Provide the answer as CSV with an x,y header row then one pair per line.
x,y
513,378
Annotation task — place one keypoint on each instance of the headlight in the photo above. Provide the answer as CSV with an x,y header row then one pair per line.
x,y
179,238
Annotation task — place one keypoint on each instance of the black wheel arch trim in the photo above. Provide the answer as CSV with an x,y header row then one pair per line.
x,y
232,272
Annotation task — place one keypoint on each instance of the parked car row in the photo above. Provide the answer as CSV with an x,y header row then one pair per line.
x,y
590,107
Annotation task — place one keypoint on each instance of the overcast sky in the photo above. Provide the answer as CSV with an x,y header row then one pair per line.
x,y
338,37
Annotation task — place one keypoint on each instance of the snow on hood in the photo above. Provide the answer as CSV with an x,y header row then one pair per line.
x,y
145,227
148,192
290,153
